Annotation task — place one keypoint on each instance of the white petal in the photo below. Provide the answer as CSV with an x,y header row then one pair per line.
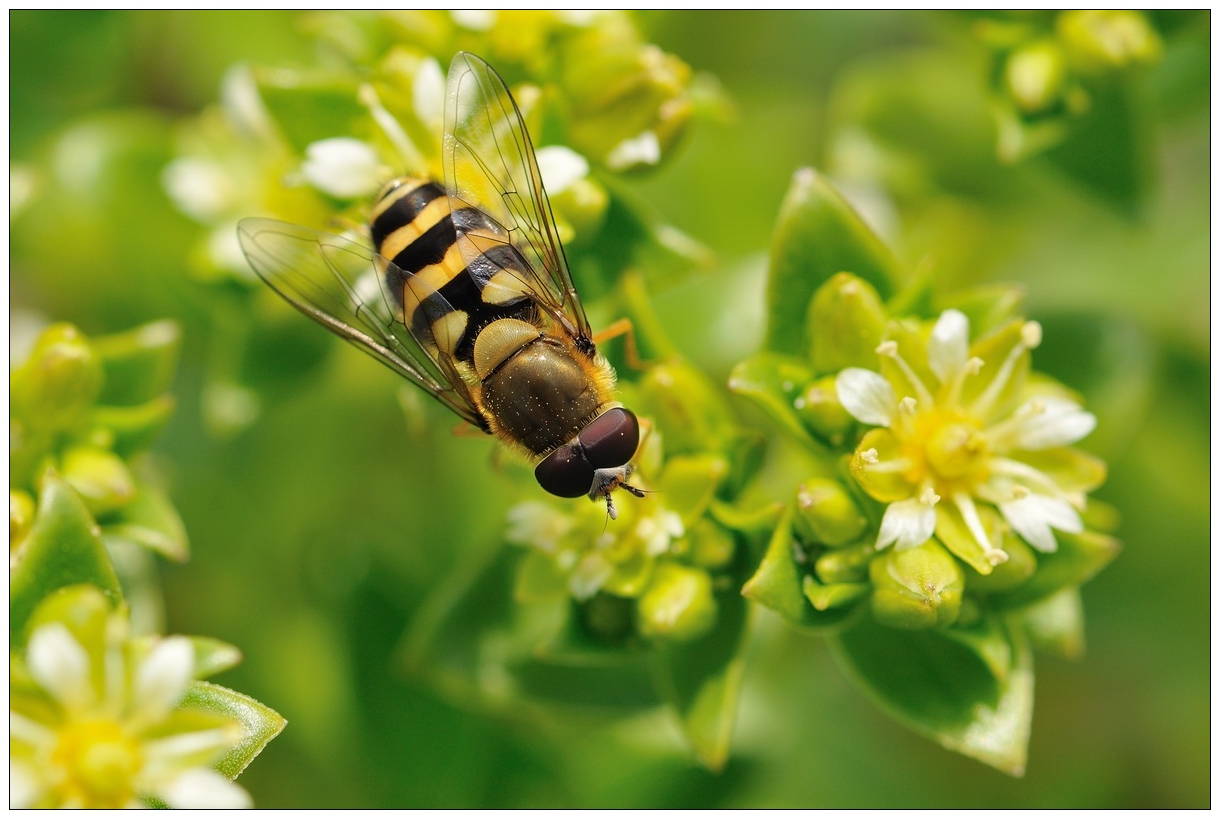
x,y
536,524
866,396
659,531
560,166
59,664
201,188
203,788
343,167
949,345
908,522
163,675
24,786
642,149
474,19
203,746
428,92
589,575
1061,422
1033,516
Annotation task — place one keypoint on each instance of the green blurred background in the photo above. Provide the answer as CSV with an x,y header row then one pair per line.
x,y
319,530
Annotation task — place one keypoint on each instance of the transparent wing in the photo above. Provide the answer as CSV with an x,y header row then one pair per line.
x,y
490,167
340,284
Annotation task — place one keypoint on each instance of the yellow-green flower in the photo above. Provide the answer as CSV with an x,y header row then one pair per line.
x,y
100,729
964,432
592,553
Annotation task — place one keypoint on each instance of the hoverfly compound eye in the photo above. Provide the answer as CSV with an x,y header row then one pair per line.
x,y
565,472
611,439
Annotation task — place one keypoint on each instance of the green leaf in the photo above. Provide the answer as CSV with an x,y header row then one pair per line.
x,y
747,521
778,583
539,580
702,680
690,410
1075,562
773,382
62,549
259,723
944,686
133,428
689,483
138,364
986,306
988,641
1056,624
817,235
833,595
1109,150
152,521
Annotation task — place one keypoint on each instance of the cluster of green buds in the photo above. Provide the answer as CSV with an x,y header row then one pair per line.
x,y
86,409
1049,66
102,712
942,492
667,559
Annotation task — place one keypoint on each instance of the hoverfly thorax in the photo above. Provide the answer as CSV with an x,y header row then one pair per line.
x,y
465,292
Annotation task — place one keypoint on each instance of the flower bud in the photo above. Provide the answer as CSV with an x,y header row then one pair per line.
x,y
819,409
828,512
678,604
847,565
630,103
824,597
59,382
686,407
1034,76
846,322
1099,40
916,588
711,547
100,477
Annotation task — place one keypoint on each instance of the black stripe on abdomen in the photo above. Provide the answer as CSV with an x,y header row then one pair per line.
x,y
404,211
465,292
428,248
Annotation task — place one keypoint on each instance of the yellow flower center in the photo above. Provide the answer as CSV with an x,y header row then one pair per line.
x,y
99,761
947,446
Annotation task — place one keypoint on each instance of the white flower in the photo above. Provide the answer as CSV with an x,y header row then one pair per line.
x,y
428,93
591,553
959,422
560,167
103,732
343,167
642,149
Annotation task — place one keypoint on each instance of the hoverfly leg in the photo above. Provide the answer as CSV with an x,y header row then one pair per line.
x,y
623,327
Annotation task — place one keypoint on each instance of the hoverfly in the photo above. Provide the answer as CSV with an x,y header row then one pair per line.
x,y
465,292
